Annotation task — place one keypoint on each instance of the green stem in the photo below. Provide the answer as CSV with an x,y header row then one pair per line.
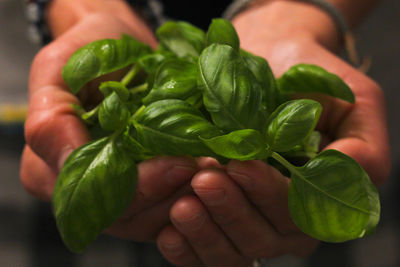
x,y
140,88
131,74
134,116
89,116
284,162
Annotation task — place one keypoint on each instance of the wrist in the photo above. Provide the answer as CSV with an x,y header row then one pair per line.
x,y
270,21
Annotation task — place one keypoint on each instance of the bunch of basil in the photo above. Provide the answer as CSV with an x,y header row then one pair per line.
x,y
199,94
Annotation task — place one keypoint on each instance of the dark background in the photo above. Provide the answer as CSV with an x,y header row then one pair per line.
x,y
27,233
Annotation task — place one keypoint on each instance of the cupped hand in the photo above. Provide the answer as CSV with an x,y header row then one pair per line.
x,y
241,213
53,131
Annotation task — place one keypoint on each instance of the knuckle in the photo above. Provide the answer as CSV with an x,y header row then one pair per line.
x,y
34,126
48,54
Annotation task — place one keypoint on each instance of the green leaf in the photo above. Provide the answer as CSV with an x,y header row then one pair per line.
x,y
231,93
94,188
221,31
181,38
242,145
173,127
332,199
141,153
304,78
291,123
113,113
151,62
175,79
99,58
107,88
263,73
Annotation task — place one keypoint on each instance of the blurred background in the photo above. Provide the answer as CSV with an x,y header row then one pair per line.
x,y
28,236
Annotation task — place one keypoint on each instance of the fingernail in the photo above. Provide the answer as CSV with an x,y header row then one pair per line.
x,y
211,197
179,174
65,152
243,180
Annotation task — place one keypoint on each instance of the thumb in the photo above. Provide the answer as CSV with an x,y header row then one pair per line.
x,y
52,130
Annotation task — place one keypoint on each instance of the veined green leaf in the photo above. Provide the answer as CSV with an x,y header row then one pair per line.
x,y
99,58
94,188
173,127
231,93
332,199
263,73
175,79
309,148
304,78
113,113
242,145
221,31
182,38
291,123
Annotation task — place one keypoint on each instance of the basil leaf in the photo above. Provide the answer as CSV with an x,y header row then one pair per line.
x,y
150,63
175,79
308,149
242,145
113,113
263,73
173,127
94,188
332,198
221,31
141,153
195,100
291,123
231,93
99,58
96,132
107,88
304,78
181,38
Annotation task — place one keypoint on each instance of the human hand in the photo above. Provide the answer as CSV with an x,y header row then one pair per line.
x,y
52,131
241,213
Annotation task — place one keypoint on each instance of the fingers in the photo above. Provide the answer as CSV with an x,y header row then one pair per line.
x,y
210,244
267,189
145,225
158,178
246,226
174,247
36,176
52,129
161,182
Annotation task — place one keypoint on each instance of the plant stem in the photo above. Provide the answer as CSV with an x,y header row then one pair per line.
x,y
140,88
87,116
134,116
131,74
284,162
